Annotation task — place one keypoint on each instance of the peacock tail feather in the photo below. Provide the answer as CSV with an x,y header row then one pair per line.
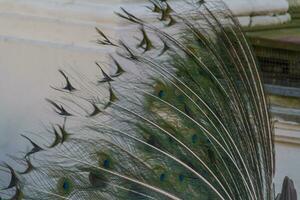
x,y
181,114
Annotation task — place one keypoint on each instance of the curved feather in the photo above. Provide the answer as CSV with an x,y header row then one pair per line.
x,y
188,120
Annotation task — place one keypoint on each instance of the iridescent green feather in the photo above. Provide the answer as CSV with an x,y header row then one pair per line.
x,y
185,117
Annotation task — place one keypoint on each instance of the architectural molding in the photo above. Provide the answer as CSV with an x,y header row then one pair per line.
x,y
287,132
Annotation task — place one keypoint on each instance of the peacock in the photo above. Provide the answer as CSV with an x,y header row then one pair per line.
x,y
178,112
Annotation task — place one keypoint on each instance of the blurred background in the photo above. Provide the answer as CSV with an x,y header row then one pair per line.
x,y
38,37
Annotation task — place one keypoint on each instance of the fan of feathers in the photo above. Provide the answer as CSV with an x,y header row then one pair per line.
x,y
179,113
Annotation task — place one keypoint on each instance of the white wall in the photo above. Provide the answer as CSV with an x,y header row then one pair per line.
x,y
36,39
287,153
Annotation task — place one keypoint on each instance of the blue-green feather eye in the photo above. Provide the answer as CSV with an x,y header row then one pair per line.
x,y
181,98
161,94
194,138
161,173
64,186
106,163
181,178
104,160
162,177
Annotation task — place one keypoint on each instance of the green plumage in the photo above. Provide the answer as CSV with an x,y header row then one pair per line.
x,y
184,116
64,186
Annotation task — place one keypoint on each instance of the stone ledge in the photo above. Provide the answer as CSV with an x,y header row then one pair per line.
x,y
287,132
283,91
289,115
287,140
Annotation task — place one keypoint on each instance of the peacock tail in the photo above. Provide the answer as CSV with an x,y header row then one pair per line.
x,y
180,114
